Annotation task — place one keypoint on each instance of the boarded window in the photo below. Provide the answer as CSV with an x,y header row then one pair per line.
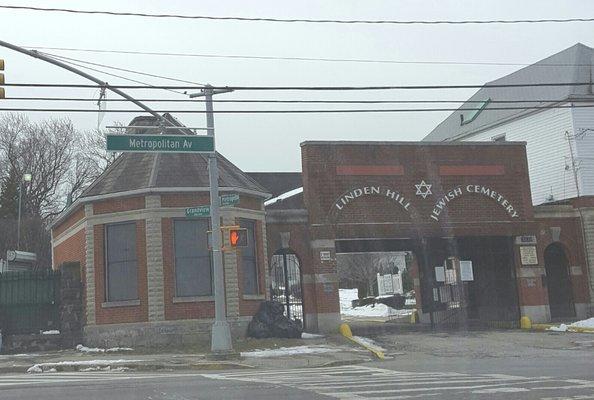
x,y
249,265
122,265
193,266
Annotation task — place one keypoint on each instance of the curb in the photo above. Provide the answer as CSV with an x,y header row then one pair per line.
x,y
136,367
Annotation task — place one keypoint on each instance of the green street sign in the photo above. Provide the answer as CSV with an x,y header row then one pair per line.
x,y
204,211
229,199
200,211
160,143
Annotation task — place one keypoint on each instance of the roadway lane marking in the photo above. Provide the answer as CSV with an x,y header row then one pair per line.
x,y
361,382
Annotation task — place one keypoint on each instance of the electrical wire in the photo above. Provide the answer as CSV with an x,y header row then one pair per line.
x,y
348,60
66,59
266,101
112,74
304,88
305,20
322,111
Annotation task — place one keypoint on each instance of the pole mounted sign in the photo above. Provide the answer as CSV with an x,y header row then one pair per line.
x,y
200,211
160,143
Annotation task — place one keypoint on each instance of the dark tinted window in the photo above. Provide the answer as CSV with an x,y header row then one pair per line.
x,y
193,267
121,260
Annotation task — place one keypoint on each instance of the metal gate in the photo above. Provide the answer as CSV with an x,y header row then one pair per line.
x,y
29,301
286,283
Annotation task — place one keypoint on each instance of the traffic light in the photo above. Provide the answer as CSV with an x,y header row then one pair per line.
x,y
238,237
2,94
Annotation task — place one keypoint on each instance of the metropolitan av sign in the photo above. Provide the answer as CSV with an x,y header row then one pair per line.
x,y
160,143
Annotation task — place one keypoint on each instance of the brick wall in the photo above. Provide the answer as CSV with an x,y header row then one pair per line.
x,y
73,218
71,249
118,205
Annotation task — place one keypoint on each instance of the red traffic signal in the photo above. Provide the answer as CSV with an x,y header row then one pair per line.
x,y
238,237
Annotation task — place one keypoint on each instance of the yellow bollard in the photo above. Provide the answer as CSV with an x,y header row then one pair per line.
x,y
414,317
525,323
345,330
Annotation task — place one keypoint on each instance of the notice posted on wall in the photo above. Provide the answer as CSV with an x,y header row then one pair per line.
x,y
440,274
466,273
528,255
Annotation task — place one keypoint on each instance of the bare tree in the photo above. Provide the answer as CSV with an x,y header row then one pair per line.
x,y
61,161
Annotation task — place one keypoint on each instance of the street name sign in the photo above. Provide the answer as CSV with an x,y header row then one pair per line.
x,y
160,143
200,211
229,199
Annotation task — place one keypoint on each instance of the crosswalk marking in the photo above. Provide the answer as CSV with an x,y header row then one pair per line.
x,y
362,382
73,377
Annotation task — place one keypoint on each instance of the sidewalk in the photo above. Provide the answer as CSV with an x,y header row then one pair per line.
x,y
254,353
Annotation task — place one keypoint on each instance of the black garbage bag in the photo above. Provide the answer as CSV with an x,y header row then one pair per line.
x,y
270,321
258,329
284,327
269,311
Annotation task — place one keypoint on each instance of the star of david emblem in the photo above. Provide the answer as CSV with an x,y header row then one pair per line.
x,y
423,189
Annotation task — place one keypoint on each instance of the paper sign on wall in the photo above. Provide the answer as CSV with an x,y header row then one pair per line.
x,y
440,273
325,256
466,273
528,255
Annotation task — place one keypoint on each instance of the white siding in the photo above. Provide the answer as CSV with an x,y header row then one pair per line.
x,y
547,150
583,123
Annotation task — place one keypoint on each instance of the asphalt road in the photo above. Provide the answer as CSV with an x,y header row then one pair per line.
x,y
425,377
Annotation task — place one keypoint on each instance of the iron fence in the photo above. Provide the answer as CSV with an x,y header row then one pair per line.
x,y
29,301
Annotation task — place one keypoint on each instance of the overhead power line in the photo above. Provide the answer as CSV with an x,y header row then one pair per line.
x,y
307,88
303,20
324,59
274,101
319,111
69,59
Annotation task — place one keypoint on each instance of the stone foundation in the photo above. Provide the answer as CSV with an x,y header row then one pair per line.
x,y
151,334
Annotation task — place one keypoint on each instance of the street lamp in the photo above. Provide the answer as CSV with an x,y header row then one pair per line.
x,y
26,178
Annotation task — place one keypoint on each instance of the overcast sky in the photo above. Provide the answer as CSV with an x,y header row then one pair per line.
x,y
271,142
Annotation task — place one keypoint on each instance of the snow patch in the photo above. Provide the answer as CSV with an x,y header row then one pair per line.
x,y
585,323
37,368
284,196
369,343
305,335
287,351
346,297
85,349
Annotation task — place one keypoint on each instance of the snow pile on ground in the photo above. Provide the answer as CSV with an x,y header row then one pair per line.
x,y
585,323
287,351
49,366
85,349
52,332
369,343
305,335
371,310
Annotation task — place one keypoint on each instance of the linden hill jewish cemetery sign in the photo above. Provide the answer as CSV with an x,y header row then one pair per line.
x,y
439,207
160,143
371,190
486,191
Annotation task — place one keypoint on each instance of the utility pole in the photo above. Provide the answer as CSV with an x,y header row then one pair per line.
x,y
220,342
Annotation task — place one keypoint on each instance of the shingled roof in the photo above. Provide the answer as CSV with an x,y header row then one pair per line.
x,y
137,171
574,64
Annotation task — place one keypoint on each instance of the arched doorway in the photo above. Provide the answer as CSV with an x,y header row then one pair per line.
x,y
558,282
285,283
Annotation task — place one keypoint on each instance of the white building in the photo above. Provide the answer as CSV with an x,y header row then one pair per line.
x,y
557,124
